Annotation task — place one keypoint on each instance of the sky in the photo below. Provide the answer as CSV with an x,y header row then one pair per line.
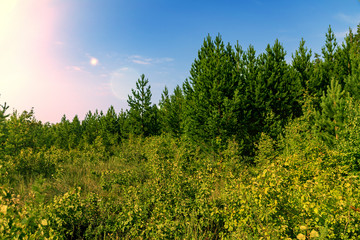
x,y
70,57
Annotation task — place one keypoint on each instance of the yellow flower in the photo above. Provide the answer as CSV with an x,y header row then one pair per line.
x,y
301,236
3,209
303,228
44,222
314,234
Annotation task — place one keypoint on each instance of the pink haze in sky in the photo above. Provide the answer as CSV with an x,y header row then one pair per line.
x,y
33,71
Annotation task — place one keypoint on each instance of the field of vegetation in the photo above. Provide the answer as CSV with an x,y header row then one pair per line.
x,y
249,147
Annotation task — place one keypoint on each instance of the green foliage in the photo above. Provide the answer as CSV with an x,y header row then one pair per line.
x,y
3,129
142,115
302,64
330,120
23,131
277,92
91,127
324,68
213,106
171,111
352,82
251,148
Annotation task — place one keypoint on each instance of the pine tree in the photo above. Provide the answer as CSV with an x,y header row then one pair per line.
x,y
171,111
124,124
75,132
210,91
329,121
63,133
91,127
21,132
323,68
251,116
277,92
352,81
164,106
110,125
142,115
302,63
3,129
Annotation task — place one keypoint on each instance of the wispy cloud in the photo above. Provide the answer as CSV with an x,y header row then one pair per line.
x,y
147,61
350,19
166,59
140,62
341,34
74,68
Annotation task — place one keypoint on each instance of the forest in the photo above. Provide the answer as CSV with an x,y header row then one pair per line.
x,y
250,146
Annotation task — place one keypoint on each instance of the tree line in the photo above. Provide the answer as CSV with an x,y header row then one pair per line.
x,y
231,94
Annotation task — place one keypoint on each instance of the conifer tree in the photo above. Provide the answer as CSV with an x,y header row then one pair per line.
x,y
324,68
211,99
164,106
301,62
63,133
75,132
171,111
352,81
91,127
142,115
124,124
21,132
3,130
110,129
277,92
250,114
329,120
343,61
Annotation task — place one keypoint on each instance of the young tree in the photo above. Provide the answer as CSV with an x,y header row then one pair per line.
x,y
91,127
110,129
124,124
3,130
75,132
171,111
142,115
278,90
62,133
323,68
329,121
302,64
212,93
22,132
352,81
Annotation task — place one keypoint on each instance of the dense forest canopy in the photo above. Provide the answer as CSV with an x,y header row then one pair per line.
x,y
250,146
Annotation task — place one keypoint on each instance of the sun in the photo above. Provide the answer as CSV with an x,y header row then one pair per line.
x,y
94,61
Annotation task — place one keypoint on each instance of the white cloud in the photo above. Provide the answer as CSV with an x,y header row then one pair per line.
x,y
147,61
140,62
353,20
341,34
74,68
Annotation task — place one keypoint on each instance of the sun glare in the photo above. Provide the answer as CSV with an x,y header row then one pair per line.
x,y
94,61
6,11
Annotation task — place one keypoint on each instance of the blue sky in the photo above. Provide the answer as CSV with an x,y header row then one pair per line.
x,y
84,55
